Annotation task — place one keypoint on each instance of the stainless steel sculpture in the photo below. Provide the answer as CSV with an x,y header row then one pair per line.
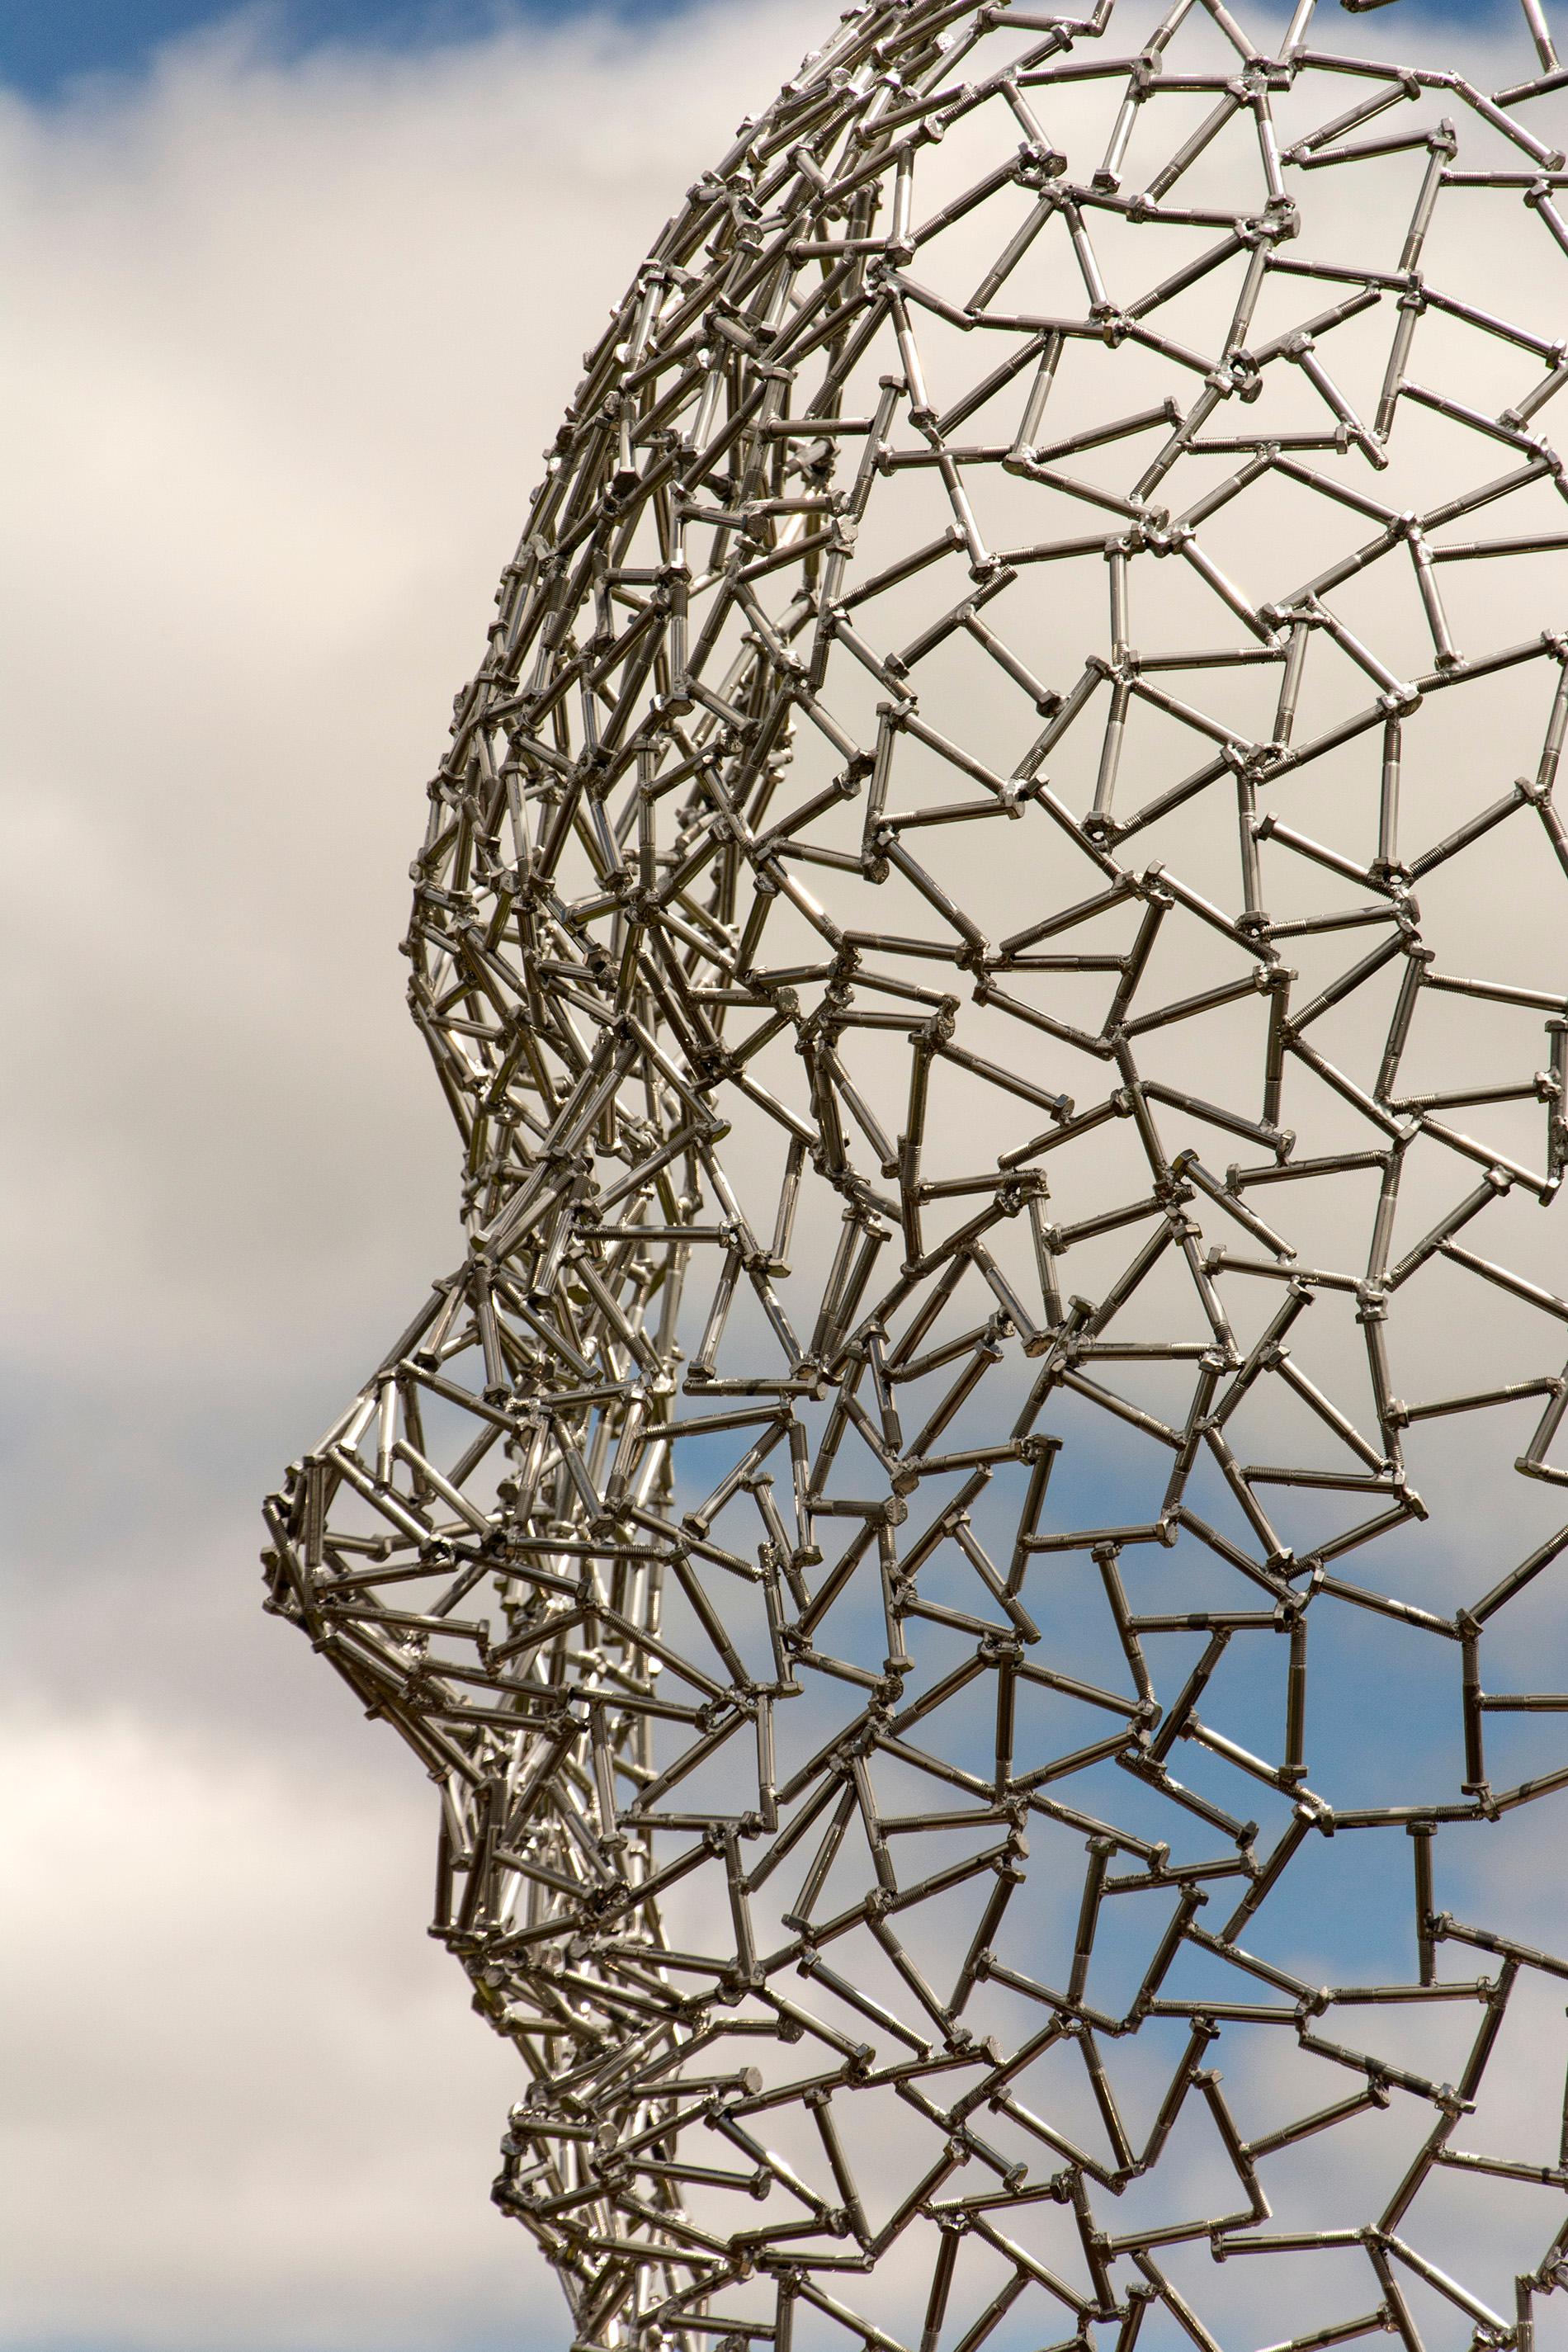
x,y
1034,670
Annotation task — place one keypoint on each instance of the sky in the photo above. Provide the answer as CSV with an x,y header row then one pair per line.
x,y
297,295
44,51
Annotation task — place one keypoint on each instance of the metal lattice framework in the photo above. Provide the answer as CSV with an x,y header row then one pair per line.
x,y
1007,695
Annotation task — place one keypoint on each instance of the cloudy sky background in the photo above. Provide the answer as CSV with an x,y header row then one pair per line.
x,y
298,296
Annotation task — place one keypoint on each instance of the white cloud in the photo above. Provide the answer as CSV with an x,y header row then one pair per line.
x,y
243,2105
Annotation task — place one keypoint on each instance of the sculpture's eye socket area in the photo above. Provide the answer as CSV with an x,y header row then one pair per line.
x,y
973,1543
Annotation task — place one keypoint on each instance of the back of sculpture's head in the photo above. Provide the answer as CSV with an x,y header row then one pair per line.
x,y
969,1542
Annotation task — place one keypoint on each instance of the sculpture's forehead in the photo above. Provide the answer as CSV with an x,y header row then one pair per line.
x,y
998,470
1040,394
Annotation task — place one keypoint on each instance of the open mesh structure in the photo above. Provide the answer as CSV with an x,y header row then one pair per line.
x,y
985,910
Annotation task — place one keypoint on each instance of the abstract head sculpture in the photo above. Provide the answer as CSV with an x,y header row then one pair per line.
x,y
965,1545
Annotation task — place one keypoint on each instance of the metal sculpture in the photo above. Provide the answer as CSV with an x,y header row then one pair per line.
x,y
975,734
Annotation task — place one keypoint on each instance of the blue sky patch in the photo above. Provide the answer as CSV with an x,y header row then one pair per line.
x,y
45,50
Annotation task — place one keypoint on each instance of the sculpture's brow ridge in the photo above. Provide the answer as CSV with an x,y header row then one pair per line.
x,y
993,929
